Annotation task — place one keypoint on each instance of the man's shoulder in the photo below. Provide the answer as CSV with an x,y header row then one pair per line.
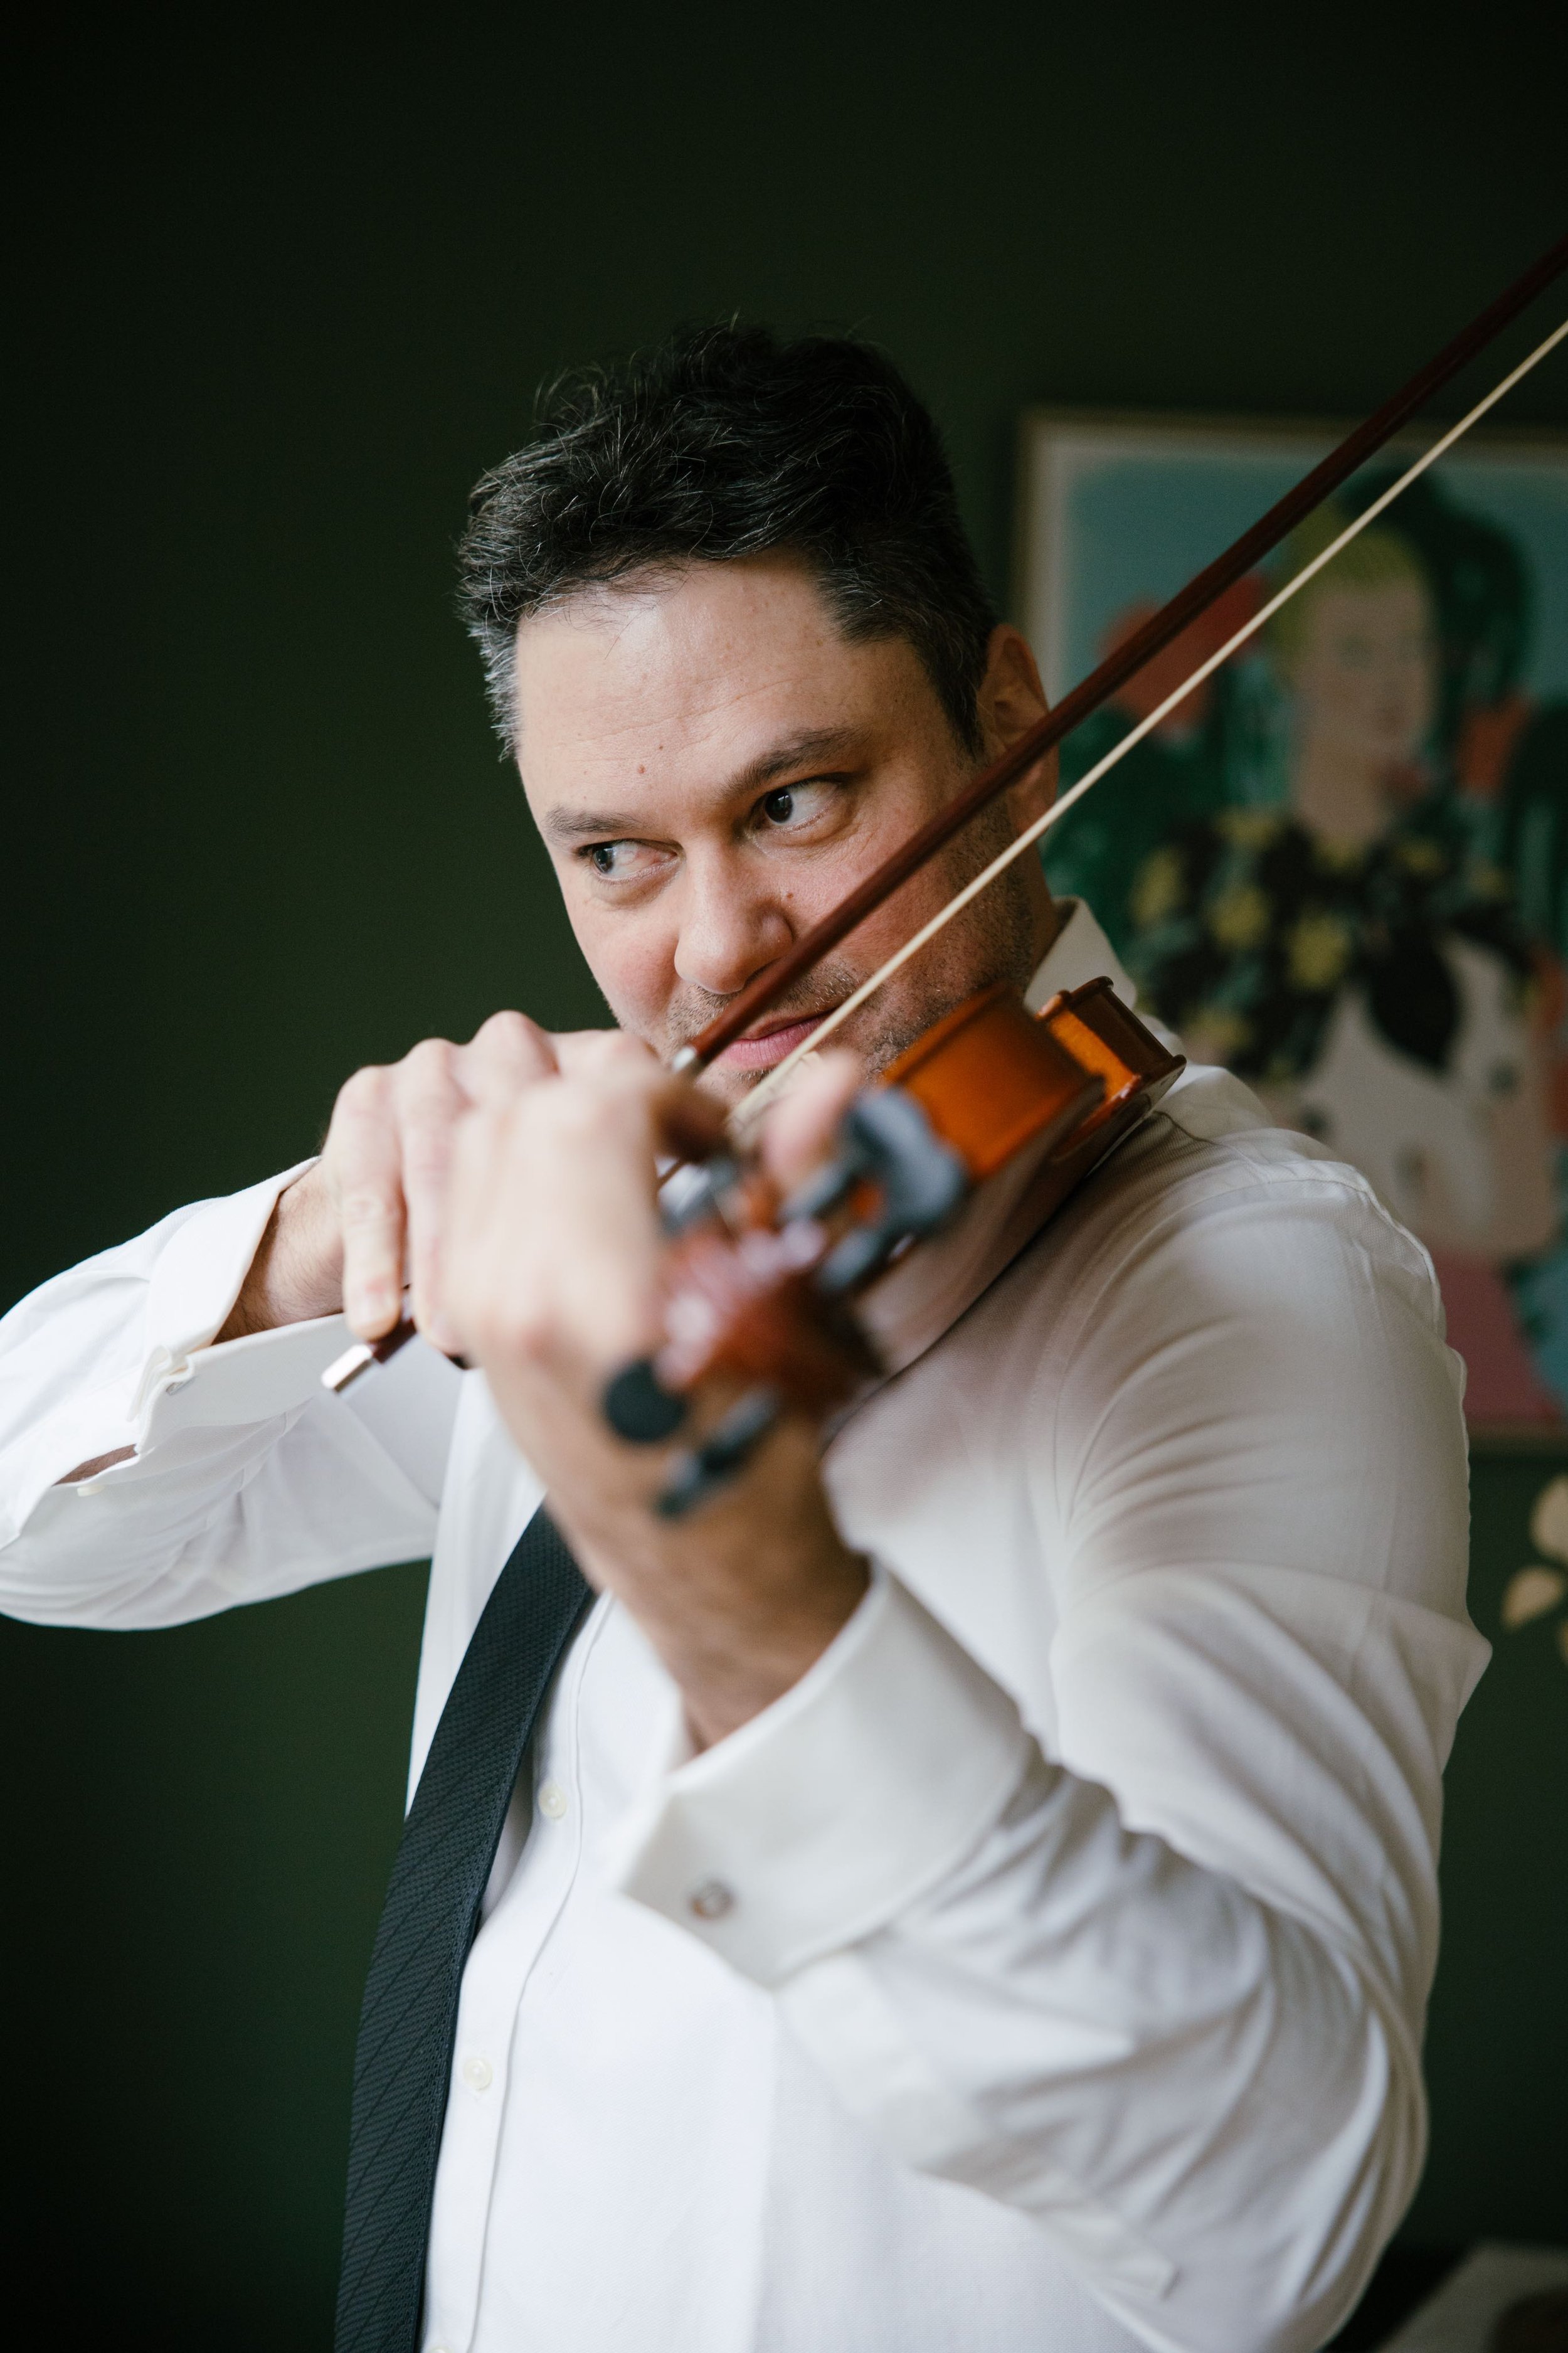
x,y
1211,1135
1210,1180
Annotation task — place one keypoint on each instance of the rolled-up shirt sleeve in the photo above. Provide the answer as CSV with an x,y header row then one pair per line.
x,y
244,1477
1158,1976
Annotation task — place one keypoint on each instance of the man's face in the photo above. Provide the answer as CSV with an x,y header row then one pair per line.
x,y
712,766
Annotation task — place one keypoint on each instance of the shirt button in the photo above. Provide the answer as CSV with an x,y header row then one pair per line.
x,y
552,1800
711,1900
477,2073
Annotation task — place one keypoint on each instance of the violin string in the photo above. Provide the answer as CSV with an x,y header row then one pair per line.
x,y
746,1110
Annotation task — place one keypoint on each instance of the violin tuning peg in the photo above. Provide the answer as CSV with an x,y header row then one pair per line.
x,y
639,1407
725,1451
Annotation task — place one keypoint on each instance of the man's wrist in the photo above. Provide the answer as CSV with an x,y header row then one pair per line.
x,y
726,1682
297,1271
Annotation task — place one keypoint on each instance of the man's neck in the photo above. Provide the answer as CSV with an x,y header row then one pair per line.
x,y
1047,917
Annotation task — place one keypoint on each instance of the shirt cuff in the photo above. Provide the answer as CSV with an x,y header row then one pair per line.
x,y
189,1289
838,1807
198,1276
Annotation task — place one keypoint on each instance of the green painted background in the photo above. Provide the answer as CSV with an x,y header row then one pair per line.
x,y
283,291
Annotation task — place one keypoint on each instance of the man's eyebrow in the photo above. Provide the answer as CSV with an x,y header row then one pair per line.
x,y
812,746
594,825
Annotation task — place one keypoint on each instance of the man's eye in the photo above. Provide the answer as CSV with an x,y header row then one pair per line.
x,y
796,804
621,861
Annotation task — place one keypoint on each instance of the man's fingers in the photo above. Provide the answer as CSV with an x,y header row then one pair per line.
x,y
430,1103
387,1158
584,1051
799,1132
581,1052
363,1155
555,1243
506,1053
681,1119
686,1123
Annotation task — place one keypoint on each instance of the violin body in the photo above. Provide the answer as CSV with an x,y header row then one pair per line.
x,y
759,1291
990,1076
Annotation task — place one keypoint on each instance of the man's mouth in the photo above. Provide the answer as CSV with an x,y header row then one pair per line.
x,y
768,1044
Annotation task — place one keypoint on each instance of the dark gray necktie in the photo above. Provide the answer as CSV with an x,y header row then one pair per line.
x,y
404,2061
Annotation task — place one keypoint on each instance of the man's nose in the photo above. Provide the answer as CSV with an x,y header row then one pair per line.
x,y
730,927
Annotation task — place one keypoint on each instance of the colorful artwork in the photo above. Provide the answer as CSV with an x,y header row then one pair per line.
x,y
1340,866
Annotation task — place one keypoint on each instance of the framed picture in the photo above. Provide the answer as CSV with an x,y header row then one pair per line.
x,y
1340,867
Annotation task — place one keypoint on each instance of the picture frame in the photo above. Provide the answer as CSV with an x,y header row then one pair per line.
x,y
1341,867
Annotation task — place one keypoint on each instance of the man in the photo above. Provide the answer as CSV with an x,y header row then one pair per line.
x,y
974,1884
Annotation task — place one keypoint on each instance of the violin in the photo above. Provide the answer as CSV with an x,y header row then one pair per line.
x,y
760,1291
757,1291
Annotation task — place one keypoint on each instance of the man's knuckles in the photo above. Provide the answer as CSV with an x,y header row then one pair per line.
x,y
425,1082
511,1040
361,1099
607,1052
383,1091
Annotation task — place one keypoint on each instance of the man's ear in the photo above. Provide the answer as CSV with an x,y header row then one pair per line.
x,y
1011,700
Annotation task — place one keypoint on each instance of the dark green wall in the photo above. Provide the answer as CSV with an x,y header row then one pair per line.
x,y
283,292
1497,2049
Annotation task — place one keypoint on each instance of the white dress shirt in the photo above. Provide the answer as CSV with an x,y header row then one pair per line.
x,y
1048,1968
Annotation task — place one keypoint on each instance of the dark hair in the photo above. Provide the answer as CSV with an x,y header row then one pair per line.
x,y
724,442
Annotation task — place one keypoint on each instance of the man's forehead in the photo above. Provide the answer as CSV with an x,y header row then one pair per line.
x,y
670,660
